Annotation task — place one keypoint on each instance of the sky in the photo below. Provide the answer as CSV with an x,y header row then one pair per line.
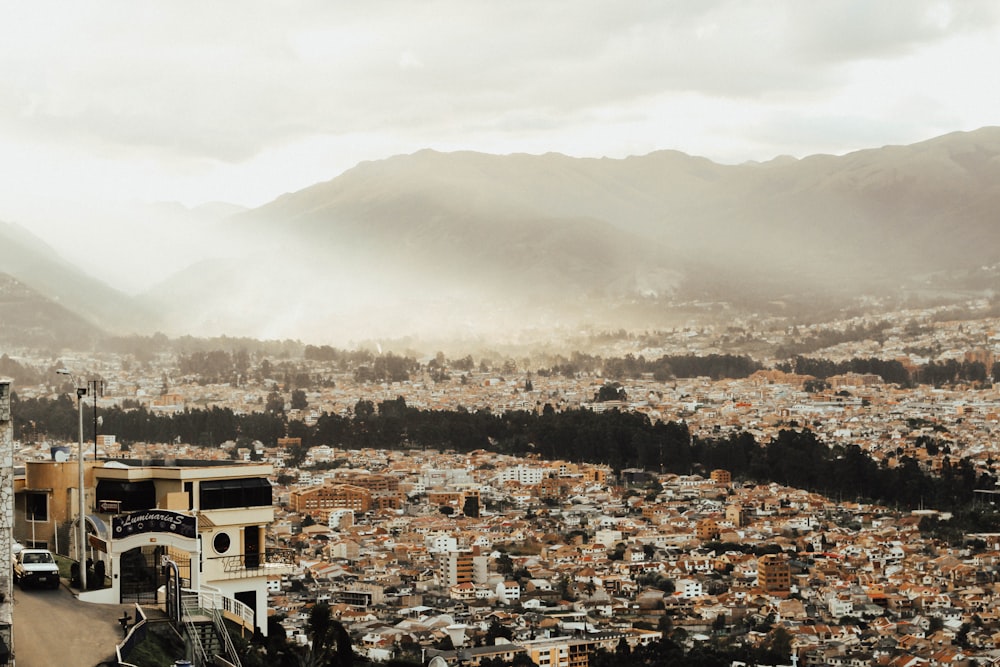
x,y
106,104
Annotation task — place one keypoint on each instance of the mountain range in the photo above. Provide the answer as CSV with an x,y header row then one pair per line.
x,y
469,244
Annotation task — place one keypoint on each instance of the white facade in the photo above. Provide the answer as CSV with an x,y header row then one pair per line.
x,y
439,543
522,474
227,507
508,592
689,588
341,518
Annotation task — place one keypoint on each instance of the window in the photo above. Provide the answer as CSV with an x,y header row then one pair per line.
x,y
226,493
36,506
221,543
133,496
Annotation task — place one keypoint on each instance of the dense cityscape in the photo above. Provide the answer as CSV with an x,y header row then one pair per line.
x,y
706,531
465,334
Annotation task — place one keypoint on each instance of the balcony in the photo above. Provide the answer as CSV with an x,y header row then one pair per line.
x,y
245,566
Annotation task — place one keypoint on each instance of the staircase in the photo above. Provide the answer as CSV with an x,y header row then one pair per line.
x,y
206,635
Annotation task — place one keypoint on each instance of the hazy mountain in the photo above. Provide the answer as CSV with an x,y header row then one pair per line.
x,y
480,243
28,318
48,277
882,211
468,244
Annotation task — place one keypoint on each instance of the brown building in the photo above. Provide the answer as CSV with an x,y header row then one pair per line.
x,y
774,573
330,496
552,488
707,529
737,514
599,475
720,476
376,483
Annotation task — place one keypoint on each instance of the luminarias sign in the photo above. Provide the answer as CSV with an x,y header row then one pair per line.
x,y
154,521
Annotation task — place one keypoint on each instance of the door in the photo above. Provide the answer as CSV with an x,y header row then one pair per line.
x,y
251,547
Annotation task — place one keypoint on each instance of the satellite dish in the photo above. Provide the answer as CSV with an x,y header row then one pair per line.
x,y
437,661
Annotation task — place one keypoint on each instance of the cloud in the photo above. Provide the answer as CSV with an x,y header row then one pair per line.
x,y
838,31
189,86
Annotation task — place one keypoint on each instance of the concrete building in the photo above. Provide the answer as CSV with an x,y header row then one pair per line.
x,y
205,519
331,496
459,567
774,573
720,476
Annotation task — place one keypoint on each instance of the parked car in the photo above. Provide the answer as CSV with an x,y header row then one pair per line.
x,y
36,567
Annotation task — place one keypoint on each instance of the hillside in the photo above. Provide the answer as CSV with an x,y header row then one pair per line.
x,y
486,246
37,267
474,242
29,319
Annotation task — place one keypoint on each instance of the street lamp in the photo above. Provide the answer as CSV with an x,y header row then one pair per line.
x,y
81,391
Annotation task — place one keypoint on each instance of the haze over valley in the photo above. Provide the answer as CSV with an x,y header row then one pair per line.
x,y
658,333
477,247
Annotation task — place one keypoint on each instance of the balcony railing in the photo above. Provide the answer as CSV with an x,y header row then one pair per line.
x,y
257,564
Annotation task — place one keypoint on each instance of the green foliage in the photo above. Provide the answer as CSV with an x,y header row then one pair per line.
x,y
658,581
891,370
331,645
504,563
19,373
611,391
620,439
299,401
498,630
160,648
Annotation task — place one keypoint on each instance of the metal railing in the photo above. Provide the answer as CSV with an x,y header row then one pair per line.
x,y
210,597
227,641
254,565
210,602
191,605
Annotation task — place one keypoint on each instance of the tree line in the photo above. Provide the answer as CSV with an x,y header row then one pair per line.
x,y
794,457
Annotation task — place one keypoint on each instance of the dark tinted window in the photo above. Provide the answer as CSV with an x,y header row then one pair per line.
x,y
226,493
132,495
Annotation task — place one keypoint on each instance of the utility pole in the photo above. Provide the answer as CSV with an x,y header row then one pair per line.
x,y
95,388
81,391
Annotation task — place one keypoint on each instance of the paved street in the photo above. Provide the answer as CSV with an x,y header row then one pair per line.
x,y
54,628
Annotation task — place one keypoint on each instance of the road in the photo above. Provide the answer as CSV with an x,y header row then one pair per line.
x,y
52,628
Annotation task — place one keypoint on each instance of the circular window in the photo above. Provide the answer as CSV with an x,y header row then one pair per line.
x,y
221,543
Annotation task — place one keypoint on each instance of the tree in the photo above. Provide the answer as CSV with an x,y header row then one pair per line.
x,y
496,630
505,565
275,403
299,401
363,409
470,507
719,624
331,645
777,646
565,588
610,391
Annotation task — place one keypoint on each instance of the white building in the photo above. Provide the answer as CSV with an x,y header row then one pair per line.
x,y
439,543
508,592
522,474
689,588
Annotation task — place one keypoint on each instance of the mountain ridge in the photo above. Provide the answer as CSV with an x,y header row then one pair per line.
x,y
474,242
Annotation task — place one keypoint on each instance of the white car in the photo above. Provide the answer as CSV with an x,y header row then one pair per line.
x,y
36,567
